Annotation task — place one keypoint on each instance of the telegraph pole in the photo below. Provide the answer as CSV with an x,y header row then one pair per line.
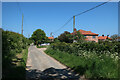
x,y
22,32
73,27
73,23
22,24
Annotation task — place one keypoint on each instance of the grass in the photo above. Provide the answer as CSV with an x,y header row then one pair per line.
x,y
90,67
17,68
42,46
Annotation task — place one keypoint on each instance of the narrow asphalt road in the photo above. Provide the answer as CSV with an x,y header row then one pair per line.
x,y
40,66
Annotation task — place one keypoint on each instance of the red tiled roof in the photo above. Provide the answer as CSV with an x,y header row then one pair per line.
x,y
103,37
87,32
83,32
118,38
50,37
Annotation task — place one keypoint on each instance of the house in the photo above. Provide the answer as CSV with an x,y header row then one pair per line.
x,y
118,39
103,38
51,38
90,36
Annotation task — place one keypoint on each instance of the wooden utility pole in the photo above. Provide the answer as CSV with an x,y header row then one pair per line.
x,y
73,27
22,32
22,24
73,23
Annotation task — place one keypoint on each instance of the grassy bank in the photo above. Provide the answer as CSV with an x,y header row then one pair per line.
x,y
16,68
89,64
14,55
42,46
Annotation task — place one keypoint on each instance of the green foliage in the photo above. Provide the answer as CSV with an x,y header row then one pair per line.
x,y
13,41
68,37
94,60
56,40
13,71
24,56
42,46
88,46
39,36
78,36
65,37
12,44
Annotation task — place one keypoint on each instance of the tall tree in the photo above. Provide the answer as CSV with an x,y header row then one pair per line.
x,y
68,37
38,36
78,36
65,37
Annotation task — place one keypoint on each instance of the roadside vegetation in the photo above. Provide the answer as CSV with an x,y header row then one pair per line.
x,y
93,60
42,46
14,55
89,59
38,37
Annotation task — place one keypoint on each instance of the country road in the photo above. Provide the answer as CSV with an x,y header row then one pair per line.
x,y
40,66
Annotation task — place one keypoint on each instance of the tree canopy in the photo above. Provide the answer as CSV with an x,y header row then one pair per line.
x,y
68,37
39,36
65,37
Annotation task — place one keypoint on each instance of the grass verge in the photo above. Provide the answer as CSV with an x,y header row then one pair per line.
x,y
93,68
42,46
16,69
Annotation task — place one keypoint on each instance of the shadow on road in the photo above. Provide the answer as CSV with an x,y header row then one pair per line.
x,y
51,74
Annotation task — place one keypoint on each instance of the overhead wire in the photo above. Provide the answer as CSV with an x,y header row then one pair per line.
x,y
92,8
63,25
81,14
19,7
70,17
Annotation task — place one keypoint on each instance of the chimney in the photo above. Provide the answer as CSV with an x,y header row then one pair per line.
x,y
107,36
75,29
103,35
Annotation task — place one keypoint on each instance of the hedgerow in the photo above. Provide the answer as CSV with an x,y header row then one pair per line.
x,y
94,60
87,46
12,44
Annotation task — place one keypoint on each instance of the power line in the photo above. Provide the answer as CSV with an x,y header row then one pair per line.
x,y
82,13
92,8
64,24
22,24
19,7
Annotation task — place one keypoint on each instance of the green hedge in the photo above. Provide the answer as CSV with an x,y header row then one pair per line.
x,y
93,67
12,44
97,60
14,41
87,46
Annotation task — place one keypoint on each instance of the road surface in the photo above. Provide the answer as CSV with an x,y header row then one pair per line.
x,y
40,66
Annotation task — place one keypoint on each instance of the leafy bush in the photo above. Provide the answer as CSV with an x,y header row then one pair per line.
x,y
88,46
12,44
68,37
94,60
14,41
39,37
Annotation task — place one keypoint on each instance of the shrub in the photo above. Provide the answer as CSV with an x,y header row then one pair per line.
x,y
97,60
12,43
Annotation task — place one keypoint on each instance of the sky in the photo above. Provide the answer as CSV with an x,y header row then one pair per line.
x,y
51,16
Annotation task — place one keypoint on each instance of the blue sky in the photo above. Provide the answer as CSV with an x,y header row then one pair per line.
x,y
50,16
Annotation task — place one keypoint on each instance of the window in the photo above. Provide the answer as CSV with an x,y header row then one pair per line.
x,y
93,36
